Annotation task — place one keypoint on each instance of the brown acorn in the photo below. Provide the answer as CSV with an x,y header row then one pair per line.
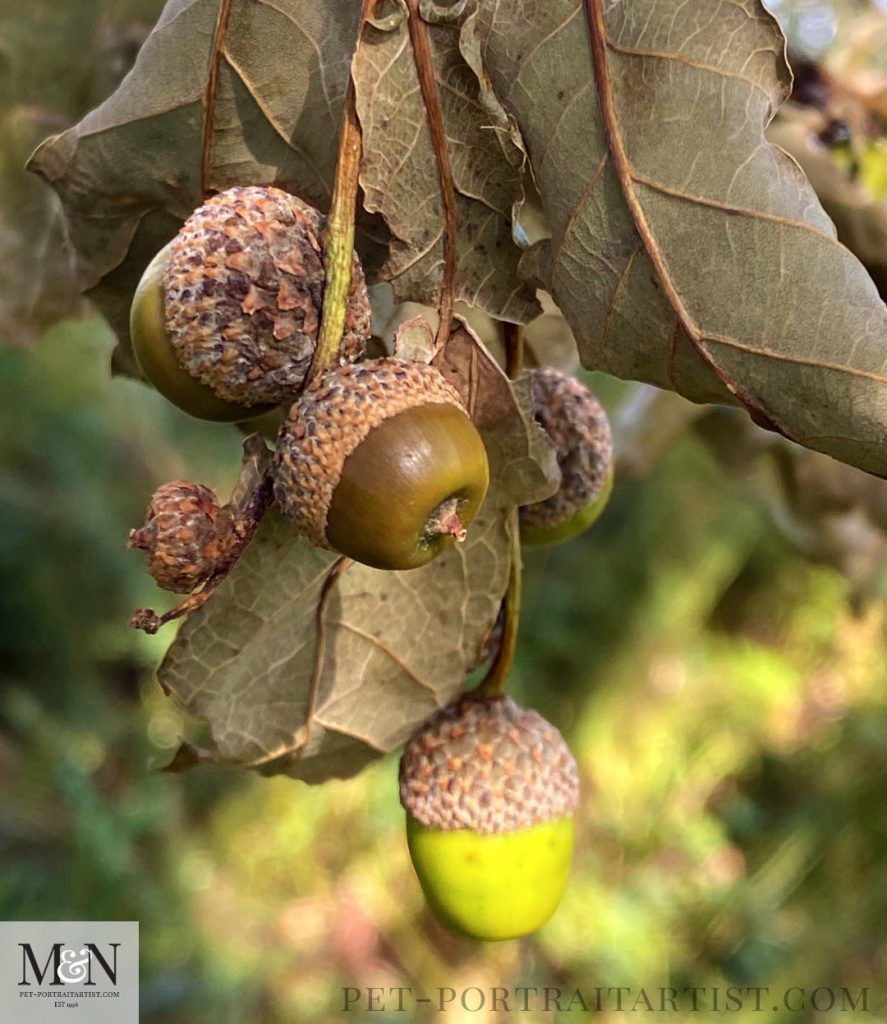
x,y
490,790
381,462
186,535
225,320
578,427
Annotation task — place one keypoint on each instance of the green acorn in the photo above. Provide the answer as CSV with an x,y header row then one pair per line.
x,y
225,320
490,790
380,462
579,429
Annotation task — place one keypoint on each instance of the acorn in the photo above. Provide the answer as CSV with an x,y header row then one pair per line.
x,y
186,534
225,319
381,462
579,429
490,790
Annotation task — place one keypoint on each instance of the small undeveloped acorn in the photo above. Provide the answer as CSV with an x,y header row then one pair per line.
x,y
380,462
579,429
490,790
225,319
185,534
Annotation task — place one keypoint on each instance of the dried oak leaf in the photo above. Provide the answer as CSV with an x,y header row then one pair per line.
x,y
399,172
686,250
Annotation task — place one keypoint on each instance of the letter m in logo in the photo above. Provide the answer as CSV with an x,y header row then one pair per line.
x,y
28,957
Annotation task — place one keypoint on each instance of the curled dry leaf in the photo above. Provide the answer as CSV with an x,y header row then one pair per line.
x,y
255,464
686,251
305,664
399,170
831,512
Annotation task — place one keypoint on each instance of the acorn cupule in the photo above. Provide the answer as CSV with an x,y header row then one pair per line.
x,y
578,427
157,358
186,535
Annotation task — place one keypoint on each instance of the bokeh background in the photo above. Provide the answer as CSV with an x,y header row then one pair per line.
x,y
713,649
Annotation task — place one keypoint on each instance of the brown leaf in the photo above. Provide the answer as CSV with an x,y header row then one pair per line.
x,y
186,757
255,463
400,178
230,93
687,251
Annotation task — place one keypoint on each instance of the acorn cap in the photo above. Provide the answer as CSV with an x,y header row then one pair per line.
x,y
184,534
578,427
333,416
243,289
489,766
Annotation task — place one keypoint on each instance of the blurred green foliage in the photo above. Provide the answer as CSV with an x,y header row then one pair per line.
x,y
727,709
726,701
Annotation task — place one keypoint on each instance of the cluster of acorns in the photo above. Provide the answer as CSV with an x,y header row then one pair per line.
x,y
378,460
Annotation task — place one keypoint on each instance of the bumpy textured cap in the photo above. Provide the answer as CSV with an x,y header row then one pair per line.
x,y
490,766
243,295
334,415
580,431
184,534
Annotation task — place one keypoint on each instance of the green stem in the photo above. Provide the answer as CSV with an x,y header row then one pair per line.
x,y
497,676
338,239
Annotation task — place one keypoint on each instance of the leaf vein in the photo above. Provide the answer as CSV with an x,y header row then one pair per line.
x,y
387,650
739,211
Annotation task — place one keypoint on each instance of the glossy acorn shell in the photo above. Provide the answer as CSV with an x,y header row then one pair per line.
x,y
579,522
398,477
157,358
493,886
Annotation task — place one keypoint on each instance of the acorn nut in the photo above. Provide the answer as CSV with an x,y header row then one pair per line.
x,y
186,535
490,790
225,319
578,427
380,462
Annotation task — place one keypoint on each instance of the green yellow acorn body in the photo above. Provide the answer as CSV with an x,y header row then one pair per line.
x,y
225,319
380,462
579,429
490,790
